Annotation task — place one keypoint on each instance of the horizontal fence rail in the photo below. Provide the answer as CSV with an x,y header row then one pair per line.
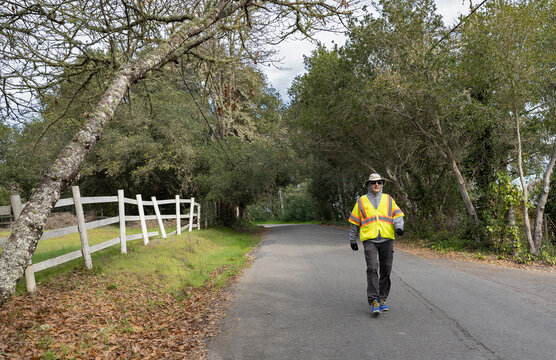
x,y
85,252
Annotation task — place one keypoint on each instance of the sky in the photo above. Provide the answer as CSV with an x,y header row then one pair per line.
x,y
291,52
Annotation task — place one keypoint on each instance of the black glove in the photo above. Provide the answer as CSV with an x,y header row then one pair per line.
x,y
399,231
354,246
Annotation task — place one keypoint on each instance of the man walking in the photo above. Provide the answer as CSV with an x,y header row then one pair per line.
x,y
375,218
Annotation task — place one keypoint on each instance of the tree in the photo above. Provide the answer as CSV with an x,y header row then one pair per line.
x,y
40,39
384,99
396,100
508,42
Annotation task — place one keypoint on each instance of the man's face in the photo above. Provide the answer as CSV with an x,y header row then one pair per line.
x,y
376,186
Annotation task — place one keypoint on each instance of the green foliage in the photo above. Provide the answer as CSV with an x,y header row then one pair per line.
x,y
4,197
504,197
523,258
449,241
299,204
260,212
27,152
159,143
438,119
49,355
547,254
550,209
391,100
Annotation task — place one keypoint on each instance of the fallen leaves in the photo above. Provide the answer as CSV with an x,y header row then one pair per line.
x,y
81,317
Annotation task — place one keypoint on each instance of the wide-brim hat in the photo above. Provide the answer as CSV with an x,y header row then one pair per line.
x,y
374,177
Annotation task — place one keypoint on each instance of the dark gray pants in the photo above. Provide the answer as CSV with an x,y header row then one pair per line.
x,y
379,258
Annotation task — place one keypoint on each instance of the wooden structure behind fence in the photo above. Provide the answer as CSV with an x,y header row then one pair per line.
x,y
5,216
77,201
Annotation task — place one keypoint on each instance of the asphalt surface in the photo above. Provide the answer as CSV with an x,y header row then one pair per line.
x,y
304,297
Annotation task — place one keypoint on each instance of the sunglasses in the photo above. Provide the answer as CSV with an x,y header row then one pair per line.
x,y
376,182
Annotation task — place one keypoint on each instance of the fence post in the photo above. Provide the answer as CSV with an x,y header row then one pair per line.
x,y
199,217
16,206
191,208
142,219
121,213
158,217
81,226
29,273
178,222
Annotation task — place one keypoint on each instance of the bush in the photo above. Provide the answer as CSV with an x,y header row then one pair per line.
x,y
4,197
547,254
446,240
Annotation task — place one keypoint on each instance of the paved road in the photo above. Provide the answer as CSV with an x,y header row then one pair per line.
x,y
304,298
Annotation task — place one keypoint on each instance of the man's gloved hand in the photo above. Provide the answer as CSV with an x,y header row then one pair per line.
x,y
354,246
399,231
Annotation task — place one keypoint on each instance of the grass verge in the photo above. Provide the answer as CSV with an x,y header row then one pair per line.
x,y
160,301
185,261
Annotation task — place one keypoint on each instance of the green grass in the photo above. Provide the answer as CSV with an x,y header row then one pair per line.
x,y
188,260
50,248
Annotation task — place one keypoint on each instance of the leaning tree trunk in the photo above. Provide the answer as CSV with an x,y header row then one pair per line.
x,y
461,185
439,141
27,230
537,236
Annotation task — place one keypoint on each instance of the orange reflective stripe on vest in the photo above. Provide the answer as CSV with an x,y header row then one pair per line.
x,y
376,221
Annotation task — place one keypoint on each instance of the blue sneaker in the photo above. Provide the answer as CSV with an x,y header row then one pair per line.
x,y
383,306
375,307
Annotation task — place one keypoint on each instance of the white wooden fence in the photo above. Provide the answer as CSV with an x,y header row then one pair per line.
x,y
82,226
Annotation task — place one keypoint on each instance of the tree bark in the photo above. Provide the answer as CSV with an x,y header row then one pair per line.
x,y
511,224
527,224
441,144
28,229
537,236
461,185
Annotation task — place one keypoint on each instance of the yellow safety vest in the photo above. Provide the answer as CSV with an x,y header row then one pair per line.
x,y
373,222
